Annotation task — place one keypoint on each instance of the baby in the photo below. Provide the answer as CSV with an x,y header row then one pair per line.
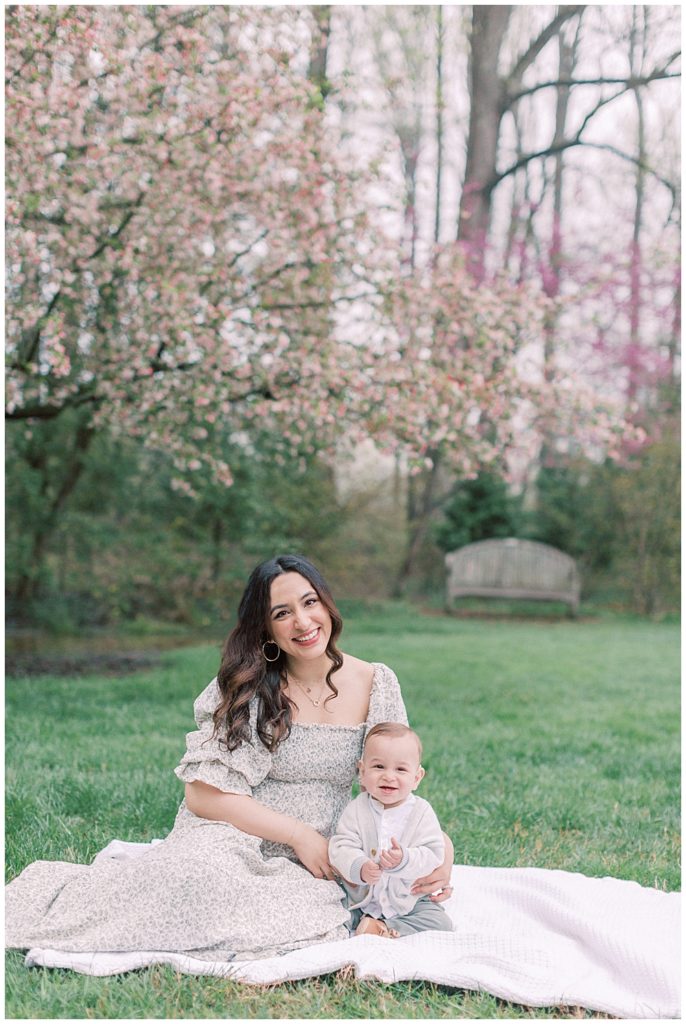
x,y
387,838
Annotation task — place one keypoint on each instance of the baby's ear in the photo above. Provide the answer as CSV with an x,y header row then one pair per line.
x,y
419,776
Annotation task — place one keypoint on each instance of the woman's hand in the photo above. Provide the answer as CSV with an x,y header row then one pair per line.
x,y
438,882
312,850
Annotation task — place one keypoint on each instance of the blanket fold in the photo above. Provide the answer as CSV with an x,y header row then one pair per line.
x,y
528,935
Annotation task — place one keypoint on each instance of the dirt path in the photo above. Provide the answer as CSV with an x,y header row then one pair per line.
x,y
110,664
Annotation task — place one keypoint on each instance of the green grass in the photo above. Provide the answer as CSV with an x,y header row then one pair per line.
x,y
546,744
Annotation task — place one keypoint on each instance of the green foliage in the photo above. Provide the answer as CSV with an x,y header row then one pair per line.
x,y
127,544
619,521
548,746
479,509
39,460
362,557
569,512
647,497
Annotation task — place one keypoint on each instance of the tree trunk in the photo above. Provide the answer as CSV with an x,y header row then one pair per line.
x,y
553,271
319,49
217,540
29,582
439,121
635,301
675,334
421,505
421,488
410,153
489,24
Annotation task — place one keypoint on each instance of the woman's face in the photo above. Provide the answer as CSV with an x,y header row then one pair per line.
x,y
298,620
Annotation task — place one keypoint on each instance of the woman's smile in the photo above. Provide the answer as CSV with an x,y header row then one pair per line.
x,y
308,638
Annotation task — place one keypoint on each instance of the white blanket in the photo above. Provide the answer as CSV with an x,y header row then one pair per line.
x,y
527,935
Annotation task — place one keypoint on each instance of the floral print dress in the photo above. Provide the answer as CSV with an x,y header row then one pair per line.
x,y
208,889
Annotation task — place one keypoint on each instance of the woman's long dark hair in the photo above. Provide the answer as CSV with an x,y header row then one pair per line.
x,y
244,673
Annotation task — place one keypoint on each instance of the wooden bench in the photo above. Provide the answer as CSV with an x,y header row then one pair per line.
x,y
512,568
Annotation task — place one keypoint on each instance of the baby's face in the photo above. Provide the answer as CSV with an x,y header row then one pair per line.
x,y
390,768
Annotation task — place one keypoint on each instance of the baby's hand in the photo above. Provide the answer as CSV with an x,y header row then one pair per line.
x,y
370,872
391,858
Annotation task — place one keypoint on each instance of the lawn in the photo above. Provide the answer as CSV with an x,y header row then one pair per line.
x,y
547,744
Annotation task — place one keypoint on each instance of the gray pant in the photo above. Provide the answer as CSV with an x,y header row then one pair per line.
x,y
425,916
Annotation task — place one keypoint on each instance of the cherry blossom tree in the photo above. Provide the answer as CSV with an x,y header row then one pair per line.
x,y
610,272
174,217
466,378
190,258
178,231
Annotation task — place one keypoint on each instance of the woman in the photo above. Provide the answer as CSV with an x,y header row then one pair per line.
x,y
245,871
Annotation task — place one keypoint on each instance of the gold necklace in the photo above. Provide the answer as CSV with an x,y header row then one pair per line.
x,y
307,690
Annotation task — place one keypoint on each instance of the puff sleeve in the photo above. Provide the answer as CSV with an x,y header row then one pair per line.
x,y
207,760
386,701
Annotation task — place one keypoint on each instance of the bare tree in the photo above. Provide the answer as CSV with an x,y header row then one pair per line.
x,y
494,93
398,37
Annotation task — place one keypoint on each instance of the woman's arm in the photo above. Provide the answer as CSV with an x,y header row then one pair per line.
x,y
250,816
438,882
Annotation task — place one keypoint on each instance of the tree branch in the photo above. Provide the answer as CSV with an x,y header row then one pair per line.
x,y
174,20
571,143
670,186
115,234
32,337
556,146
316,305
49,411
32,54
594,110
527,58
630,83
244,252
262,282
85,434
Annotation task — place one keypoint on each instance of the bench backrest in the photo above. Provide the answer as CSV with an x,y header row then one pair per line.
x,y
514,567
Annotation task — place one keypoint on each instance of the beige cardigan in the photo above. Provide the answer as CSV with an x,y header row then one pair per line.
x,y
356,836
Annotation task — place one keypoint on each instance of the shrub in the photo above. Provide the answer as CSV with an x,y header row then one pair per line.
x,y
479,509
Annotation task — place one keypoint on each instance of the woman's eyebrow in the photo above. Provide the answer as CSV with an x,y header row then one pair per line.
x,y
301,598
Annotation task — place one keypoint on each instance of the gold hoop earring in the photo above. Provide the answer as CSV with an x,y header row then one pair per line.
x,y
271,643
